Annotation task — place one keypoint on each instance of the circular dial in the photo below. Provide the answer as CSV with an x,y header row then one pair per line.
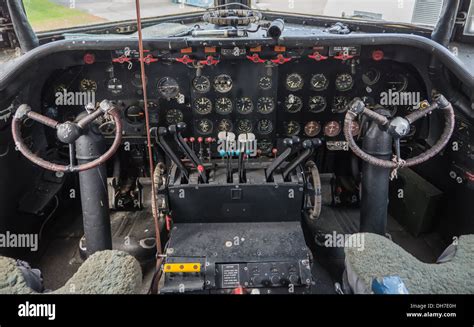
x,y
340,104
317,103
312,128
203,106
225,125
344,82
332,129
265,126
265,82
204,126
319,82
88,85
244,105
293,103
224,106
355,128
174,116
114,86
223,83
371,76
135,114
201,84
244,126
294,82
292,128
265,146
137,80
397,82
168,87
265,105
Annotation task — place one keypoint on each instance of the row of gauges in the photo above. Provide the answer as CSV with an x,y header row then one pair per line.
x,y
206,126
314,128
225,106
223,83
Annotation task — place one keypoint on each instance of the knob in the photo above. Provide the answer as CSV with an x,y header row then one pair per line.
x,y
257,280
172,129
293,279
288,142
162,131
181,126
275,279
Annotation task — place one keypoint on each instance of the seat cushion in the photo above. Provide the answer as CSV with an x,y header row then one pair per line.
x,y
380,257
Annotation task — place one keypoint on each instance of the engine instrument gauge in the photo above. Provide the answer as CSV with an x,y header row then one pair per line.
x,y
244,126
264,126
244,105
292,128
202,106
201,84
114,85
204,126
174,116
223,83
319,82
88,85
168,87
224,106
332,129
294,82
312,128
225,125
344,82
265,105
135,114
265,82
317,103
293,103
371,76
340,104
397,82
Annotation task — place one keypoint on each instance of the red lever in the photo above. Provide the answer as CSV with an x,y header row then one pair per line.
x,y
200,139
317,56
149,59
255,58
280,59
210,61
122,59
185,60
343,56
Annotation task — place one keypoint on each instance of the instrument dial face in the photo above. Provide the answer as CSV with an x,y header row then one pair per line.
x,y
168,87
224,106
355,128
88,85
201,84
203,106
265,105
244,105
332,129
204,126
319,82
344,82
293,103
137,80
371,76
397,82
294,82
223,83
292,128
312,128
264,126
135,114
244,126
317,104
265,82
225,125
174,116
265,146
340,104
114,86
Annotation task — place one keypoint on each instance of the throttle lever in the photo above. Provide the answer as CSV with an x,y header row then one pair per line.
x,y
280,159
309,146
160,136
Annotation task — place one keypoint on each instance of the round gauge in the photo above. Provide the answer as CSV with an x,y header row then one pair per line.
x,y
201,84
319,82
293,103
355,128
332,129
312,128
224,106
223,83
174,116
114,86
202,106
265,126
265,105
317,104
168,87
107,128
265,146
371,76
244,105
204,126
294,82
225,125
344,82
244,126
135,114
265,82
397,82
292,128
340,104
137,80
88,85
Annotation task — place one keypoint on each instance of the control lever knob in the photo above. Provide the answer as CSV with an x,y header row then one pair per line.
x,y
288,142
172,129
296,140
162,131
181,126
